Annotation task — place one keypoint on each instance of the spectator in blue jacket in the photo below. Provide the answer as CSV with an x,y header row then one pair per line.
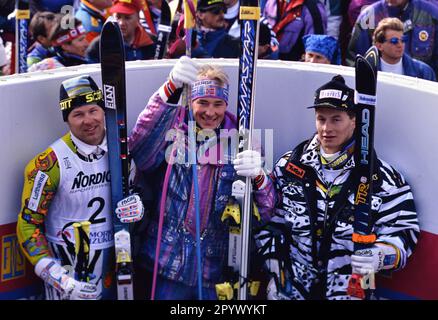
x,y
389,39
420,23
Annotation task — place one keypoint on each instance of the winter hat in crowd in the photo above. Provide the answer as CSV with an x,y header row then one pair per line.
x,y
77,92
325,45
206,5
335,94
125,6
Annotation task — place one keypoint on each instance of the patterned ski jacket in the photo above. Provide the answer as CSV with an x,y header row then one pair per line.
x,y
316,221
63,186
148,145
420,19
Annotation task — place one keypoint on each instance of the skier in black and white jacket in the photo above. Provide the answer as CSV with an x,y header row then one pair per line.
x,y
308,243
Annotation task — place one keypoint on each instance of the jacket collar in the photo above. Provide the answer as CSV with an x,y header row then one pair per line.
x,y
142,39
311,158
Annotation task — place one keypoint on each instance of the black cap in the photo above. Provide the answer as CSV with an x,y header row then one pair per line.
x,y
78,91
335,94
205,5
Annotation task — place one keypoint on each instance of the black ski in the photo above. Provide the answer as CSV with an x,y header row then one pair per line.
x,y
249,32
164,29
365,104
21,35
112,59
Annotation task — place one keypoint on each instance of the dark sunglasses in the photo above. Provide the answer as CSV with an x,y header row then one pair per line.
x,y
395,40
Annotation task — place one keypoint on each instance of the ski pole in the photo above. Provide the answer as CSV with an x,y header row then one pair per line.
x,y
189,24
249,35
21,35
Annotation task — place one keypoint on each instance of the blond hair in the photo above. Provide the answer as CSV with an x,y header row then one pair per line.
x,y
213,72
386,24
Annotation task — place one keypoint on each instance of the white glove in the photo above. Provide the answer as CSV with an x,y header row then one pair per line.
x,y
185,71
248,164
272,292
374,259
57,277
130,209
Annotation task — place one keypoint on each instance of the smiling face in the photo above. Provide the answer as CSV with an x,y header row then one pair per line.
x,y
87,124
209,112
334,128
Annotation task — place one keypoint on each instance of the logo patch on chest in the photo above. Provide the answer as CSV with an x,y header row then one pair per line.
x,y
295,170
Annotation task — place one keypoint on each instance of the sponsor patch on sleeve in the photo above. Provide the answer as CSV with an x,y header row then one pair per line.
x,y
37,190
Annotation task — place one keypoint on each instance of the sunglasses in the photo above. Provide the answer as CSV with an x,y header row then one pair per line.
x,y
395,40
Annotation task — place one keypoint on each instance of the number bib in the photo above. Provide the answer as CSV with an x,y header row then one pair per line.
x,y
83,194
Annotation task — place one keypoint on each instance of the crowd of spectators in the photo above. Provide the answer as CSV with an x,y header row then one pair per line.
x,y
314,31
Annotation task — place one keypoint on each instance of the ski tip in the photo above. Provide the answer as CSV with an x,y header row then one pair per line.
x,y
371,56
110,35
109,25
166,14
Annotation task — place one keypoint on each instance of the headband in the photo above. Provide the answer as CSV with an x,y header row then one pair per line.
x,y
209,89
69,36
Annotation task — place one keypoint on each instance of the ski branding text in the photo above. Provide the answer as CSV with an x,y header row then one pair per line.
x,y
109,92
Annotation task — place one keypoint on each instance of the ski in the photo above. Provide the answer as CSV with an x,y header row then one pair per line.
x,y
249,32
112,57
21,35
164,29
365,102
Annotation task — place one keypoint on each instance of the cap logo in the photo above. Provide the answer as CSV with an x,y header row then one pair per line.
x,y
330,93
